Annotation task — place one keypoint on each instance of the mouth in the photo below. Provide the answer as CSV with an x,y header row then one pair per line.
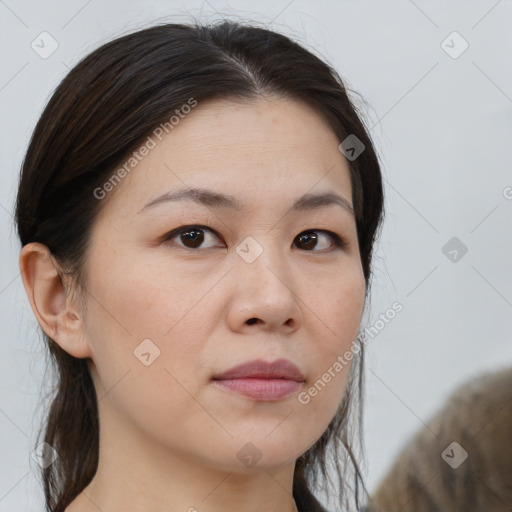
x,y
263,381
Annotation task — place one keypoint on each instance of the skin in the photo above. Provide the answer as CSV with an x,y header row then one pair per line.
x,y
169,436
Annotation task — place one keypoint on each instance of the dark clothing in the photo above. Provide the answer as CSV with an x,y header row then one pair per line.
x,y
313,505
306,501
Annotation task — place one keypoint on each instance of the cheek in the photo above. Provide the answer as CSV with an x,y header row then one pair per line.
x,y
138,300
150,373
146,327
338,309
338,304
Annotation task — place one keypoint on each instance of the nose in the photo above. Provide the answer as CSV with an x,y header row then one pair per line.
x,y
265,295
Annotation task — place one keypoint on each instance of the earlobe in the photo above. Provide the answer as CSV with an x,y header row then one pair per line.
x,y
57,315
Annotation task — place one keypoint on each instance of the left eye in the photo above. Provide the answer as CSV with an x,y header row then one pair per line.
x,y
310,238
192,237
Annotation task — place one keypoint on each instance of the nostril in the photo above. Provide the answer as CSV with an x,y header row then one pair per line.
x,y
252,321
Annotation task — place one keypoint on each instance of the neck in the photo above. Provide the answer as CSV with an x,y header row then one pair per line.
x,y
135,473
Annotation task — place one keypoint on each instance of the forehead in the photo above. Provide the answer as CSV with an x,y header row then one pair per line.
x,y
265,152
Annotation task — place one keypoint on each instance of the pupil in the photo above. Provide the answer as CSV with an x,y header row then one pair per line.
x,y
193,237
309,239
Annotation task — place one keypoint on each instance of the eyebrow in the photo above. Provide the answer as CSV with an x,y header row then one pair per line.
x,y
214,199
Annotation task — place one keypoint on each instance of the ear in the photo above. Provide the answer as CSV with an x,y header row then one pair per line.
x,y
59,318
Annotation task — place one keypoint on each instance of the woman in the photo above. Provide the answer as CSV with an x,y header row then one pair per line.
x,y
197,210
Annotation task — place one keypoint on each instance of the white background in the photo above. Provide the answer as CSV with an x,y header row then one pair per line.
x,y
443,128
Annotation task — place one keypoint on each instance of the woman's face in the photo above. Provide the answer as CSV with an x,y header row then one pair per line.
x,y
167,313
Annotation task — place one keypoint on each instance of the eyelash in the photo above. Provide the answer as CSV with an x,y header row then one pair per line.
x,y
339,243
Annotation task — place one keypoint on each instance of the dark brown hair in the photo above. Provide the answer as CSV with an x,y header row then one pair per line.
x,y
102,111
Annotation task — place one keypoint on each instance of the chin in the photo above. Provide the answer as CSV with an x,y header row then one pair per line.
x,y
267,455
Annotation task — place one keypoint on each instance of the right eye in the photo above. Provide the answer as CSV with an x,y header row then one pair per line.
x,y
191,237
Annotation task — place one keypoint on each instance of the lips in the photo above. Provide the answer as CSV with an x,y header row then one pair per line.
x,y
259,369
262,381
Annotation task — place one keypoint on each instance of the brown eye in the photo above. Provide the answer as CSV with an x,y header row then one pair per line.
x,y
308,240
192,237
